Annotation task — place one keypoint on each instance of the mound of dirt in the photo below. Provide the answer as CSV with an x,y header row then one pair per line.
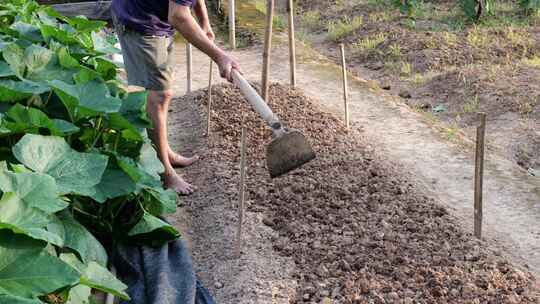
x,y
357,231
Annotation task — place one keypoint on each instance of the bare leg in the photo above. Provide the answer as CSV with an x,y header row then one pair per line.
x,y
157,108
178,160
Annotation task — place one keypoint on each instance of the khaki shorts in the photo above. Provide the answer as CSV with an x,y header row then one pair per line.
x,y
147,59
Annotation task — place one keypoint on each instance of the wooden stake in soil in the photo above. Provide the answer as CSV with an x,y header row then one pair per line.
x,y
345,85
208,121
242,192
232,24
479,175
292,47
267,47
189,56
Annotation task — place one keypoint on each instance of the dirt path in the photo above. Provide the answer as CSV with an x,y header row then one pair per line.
x,y
443,170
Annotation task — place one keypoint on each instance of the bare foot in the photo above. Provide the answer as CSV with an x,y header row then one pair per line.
x,y
175,182
178,160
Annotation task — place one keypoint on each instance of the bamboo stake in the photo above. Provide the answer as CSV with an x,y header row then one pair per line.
x,y
345,85
292,47
232,24
242,193
209,99
479,175
267,47
189,59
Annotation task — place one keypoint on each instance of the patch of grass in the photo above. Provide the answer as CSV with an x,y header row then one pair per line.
x,y
311,19
472,105
518,37
419,79
525,105
452,131
405,69
279,23
395,51
431,43
450,39
341,28
303,36
534,61
370,43
477,39
382,16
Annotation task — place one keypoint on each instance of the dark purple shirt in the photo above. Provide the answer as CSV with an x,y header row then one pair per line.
x,y
148,17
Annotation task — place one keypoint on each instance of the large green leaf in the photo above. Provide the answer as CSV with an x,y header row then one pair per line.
x,y
12,91
14,56
158,201
37,58
27,31
18,217
104,66
87,99
34,190
30,120
63,33
152,230
78,238
114,183
134,109
79,294
97,276
5,70
132,118
8,299
65,59
83,24
102,45
28,271
73,171
149,160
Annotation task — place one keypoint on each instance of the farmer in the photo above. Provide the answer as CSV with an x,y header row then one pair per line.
x,y
145,29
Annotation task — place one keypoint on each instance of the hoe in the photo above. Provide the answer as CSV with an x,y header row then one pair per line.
x,y
289,149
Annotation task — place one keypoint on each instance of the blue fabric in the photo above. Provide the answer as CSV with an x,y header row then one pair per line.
x,y
148,17
159,275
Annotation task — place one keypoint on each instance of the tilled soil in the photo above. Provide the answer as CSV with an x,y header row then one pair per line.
x,y
356,229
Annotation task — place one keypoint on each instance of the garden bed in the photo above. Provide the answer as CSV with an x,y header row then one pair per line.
x,y
356,229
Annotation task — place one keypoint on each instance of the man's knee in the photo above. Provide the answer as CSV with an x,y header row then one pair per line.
x,y
160,97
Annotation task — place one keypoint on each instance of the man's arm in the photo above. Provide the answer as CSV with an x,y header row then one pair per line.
x,y
202,15
181,19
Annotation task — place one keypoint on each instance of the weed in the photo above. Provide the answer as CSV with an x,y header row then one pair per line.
x,y
370,43
431,43
525,105
534,61
452,131
395,51
419,79
311,19
279,23
383,16
477,39
472,105
341,28
450,39
406,69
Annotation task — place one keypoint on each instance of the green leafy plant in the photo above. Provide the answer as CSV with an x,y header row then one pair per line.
x,y
530,6
406,7
475,9
76,163
341,28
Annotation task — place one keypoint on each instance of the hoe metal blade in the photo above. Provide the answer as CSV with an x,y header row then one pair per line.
x,y
287,152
